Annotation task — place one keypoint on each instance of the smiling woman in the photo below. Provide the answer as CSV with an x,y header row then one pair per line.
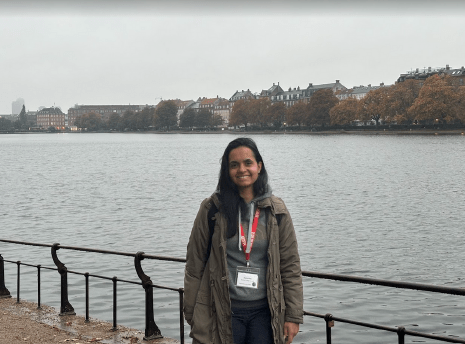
x,y
231,292
244,171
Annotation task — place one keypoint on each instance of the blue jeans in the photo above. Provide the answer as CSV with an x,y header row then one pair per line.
x,y
252,325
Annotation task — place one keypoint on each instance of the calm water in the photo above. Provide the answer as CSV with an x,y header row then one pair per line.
x,y
375,206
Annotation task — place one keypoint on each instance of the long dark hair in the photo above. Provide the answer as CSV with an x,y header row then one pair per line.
x,y
228,193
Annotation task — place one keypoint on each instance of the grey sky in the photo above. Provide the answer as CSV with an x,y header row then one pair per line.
x,y
120,52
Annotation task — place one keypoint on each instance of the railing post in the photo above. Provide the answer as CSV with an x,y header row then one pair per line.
x,y
329,323
401,334
65,307
38,286
181,315
4,292
151,329
114,279
18,288
86,275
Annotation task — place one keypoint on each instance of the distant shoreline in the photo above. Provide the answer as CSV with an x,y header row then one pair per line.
x,y
270,132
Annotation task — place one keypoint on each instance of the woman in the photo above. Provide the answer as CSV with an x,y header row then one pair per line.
x,y
242,280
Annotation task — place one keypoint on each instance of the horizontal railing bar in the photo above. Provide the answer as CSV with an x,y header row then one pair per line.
x,y
171,259
432,336
85,249
103,277
25,243
360,323
167,288
390,329
348,321
396,284
316,315
95,250
98,276
16,262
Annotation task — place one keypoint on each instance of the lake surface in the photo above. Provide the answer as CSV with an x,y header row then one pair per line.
x,y
387,207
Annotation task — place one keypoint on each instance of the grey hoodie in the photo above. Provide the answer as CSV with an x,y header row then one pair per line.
x,y
248,297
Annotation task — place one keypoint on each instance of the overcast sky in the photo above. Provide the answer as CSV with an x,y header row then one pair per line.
x,y
64,53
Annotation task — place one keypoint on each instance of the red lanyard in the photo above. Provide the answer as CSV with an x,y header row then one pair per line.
x,y
252,236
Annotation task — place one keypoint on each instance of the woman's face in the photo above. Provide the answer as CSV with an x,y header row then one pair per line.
x,y
243,167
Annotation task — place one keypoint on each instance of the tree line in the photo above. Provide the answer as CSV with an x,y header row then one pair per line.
x,y
22,123
440,100
163,117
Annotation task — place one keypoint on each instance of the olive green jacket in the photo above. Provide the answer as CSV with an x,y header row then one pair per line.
x,y
207,307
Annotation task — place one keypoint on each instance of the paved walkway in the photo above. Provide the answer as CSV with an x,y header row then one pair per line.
x,y
24,323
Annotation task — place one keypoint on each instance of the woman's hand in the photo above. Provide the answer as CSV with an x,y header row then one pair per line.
x,y
290,331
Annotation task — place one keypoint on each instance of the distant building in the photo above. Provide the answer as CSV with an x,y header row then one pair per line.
x,y
271,92
334,86
241,95
422,74
51,117
217,106
182,105
459,74
223,108
276,94
289,97
357,92
32,118
104,111
10,117
17,106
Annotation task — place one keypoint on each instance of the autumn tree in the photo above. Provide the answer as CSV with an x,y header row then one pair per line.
x,y
402,95
461,104
345,112
375,105
166,114
438,101
257,110
296,114
276,114
319,106
187,118
240,113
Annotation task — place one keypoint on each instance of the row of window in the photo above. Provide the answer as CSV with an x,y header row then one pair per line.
x,y
288,97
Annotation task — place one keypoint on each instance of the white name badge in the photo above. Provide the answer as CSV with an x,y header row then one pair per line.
x,y
247,277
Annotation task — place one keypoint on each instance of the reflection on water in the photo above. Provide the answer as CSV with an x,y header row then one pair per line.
x,y
373,206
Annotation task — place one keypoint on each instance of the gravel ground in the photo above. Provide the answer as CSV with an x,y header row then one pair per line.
x,y
24,323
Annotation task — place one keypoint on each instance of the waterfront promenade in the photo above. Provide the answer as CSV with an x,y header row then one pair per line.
x,y
24,323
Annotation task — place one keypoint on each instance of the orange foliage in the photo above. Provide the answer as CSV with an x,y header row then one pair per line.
x,y
438,101
344,112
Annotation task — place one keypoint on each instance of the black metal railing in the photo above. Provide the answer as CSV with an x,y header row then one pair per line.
x,y
151,329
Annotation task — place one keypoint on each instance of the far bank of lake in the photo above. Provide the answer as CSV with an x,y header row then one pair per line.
x,y
320,131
